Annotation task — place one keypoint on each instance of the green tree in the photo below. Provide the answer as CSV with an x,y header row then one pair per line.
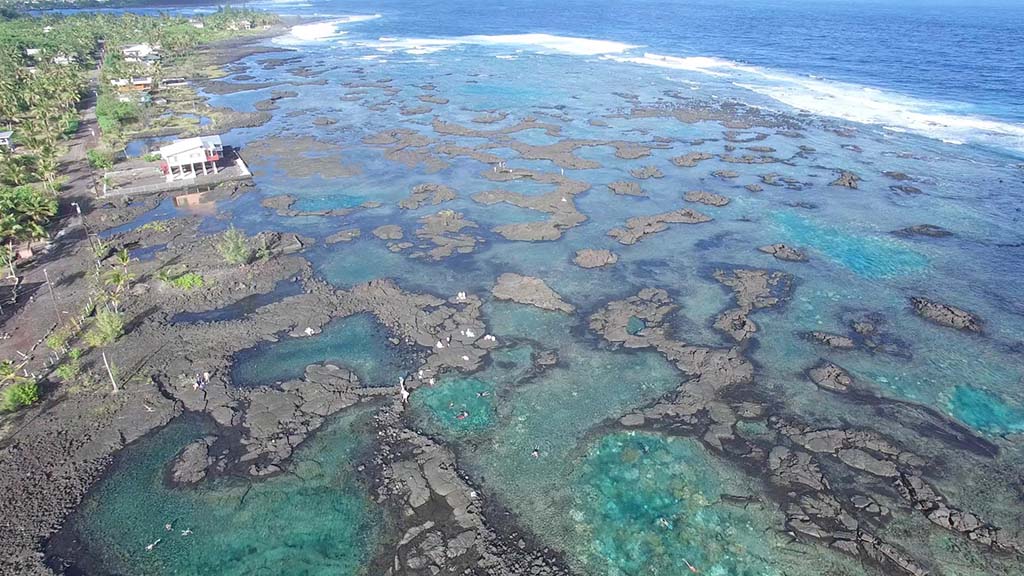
x,y
108,327
234,246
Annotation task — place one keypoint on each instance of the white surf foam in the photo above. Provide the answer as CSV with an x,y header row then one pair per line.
x,y
320,32
536,42
703,64
853,102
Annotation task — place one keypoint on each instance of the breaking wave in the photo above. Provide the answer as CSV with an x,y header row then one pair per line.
x,y
324,31
852,102
539,42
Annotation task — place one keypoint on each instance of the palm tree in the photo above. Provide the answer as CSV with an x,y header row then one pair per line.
x,y
119,277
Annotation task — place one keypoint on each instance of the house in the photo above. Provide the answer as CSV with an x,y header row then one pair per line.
x,y
141,53
197,23
173,83
133,84
32,52
5,140
142,83
63,59
185,158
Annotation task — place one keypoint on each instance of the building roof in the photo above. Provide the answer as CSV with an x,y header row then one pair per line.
x,y
189,144
6,135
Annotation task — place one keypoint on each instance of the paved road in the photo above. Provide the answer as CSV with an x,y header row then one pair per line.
x,y
66,261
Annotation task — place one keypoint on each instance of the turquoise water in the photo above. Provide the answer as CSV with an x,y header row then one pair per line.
x,y
237,526
983,410
653,505
357,342
458,404
872,256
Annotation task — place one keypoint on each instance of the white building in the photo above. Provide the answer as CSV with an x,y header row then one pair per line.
x,y
187,158
141,53
5,139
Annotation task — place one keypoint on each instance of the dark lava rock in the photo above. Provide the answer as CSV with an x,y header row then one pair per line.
x,y
691,159
708,198
645,172
592,258
946,315
929,230
784,252
830,377
906,189
831,340
847,179
626,188
191,463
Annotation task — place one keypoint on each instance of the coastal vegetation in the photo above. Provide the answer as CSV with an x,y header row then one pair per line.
x,y
18,390
24,212
107,327
180,278
234,247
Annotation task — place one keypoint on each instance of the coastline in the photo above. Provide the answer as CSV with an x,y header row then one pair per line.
x,y
834,483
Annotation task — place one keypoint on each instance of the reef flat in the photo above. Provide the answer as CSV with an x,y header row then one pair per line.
x,y
493,321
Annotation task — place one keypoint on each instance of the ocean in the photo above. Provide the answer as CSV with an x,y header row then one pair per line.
x,y
947,69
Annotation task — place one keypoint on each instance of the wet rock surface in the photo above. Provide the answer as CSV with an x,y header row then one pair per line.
x,y
529,290
706,198
626,188
691,159
592,258
441,235
830,377
753,290
423,194
558,204
640,226
847,179
784,252
945,315
928,230
442,519
645,172
389,232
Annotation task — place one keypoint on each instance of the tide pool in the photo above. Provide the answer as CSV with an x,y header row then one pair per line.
x,y
357,342
315,521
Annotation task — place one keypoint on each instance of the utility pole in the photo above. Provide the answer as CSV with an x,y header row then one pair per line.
x,y
53,297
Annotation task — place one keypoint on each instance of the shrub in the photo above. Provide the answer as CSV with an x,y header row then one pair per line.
x,y
154,226
19,395
58,340
188,281
71,367
151,157
234,247
111,113
107,328
100,159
